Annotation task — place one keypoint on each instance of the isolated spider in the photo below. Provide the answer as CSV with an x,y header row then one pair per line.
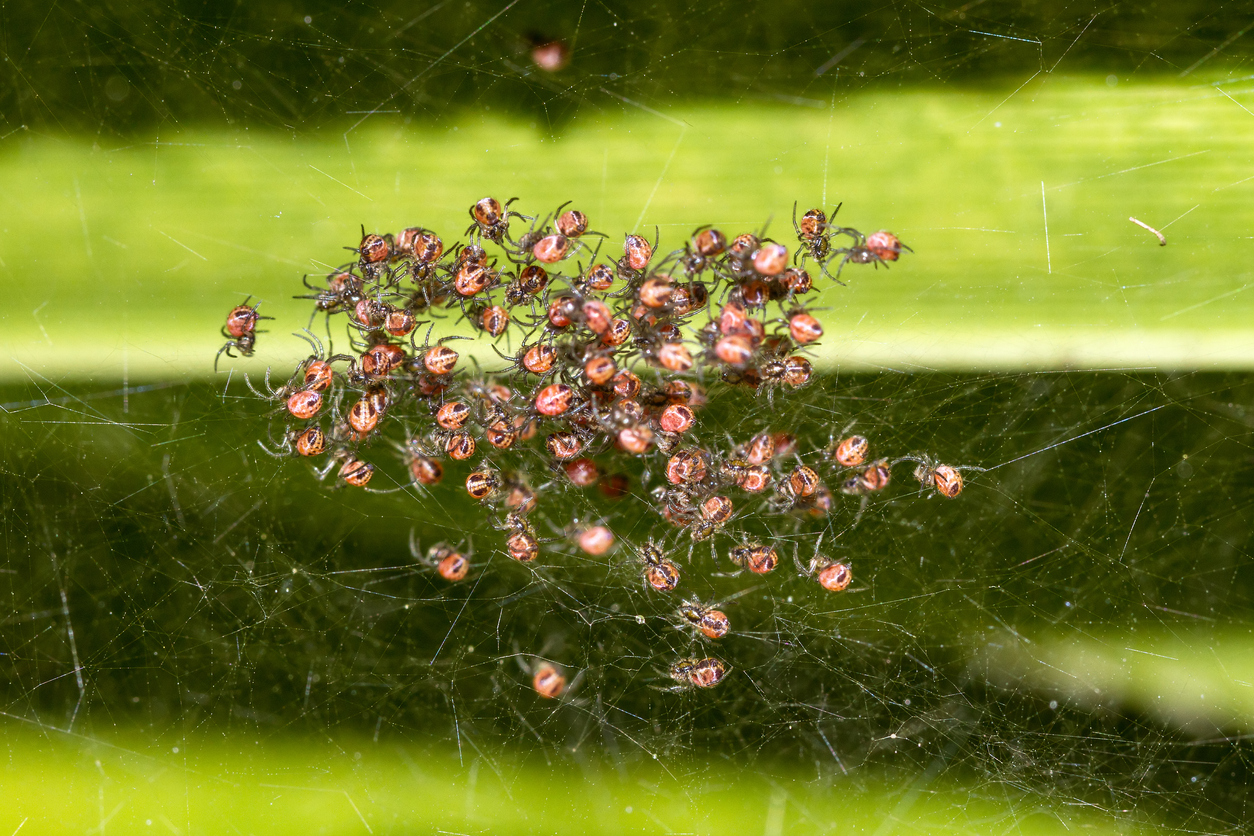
x,y
240,330
548,679
548,682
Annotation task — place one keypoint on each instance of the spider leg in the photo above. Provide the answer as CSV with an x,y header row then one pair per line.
x,y
218,356
866,500
281,453
248,381
839,267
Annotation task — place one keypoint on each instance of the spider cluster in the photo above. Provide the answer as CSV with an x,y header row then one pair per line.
x,y
605,366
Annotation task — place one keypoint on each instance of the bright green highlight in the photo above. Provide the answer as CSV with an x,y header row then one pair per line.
x,y
130,257
1198,680
57,783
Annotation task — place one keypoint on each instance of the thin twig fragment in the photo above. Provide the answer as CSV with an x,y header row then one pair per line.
x,y
1162,239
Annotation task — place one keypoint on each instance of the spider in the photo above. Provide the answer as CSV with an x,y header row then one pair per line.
x,y
879,248
240,330
521,251
775,371
659,572
548,679
423,463
803,482
548,682
945,479
450,563
872,478
528,285
832,575
307,441
803,327
548,249
483,484
573,223
522,544
437,359
519,497
700,251
352,470
697,673
850,451
491,219
373,249
637,251
758,559
815,233
595,540
342,292
716,512
706,620
539,359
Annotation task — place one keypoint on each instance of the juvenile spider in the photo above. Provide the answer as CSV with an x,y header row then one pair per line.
x,y
342,292
483,484
702,249
716,512
491,219
832,575
572,223
527,286
659,572
548,682
524,250
637,251
595,540
240,330
450,563
522,544
708,621
309,441
698,673
755,557
879,248
874,477
373,249
945,479
849,452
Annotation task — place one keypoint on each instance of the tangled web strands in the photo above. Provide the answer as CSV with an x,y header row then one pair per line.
x,y
207,584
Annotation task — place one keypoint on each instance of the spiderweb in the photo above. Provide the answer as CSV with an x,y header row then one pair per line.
x,y
162,574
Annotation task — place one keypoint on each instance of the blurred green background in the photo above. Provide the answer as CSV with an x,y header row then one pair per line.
x,y
154,240
198,639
